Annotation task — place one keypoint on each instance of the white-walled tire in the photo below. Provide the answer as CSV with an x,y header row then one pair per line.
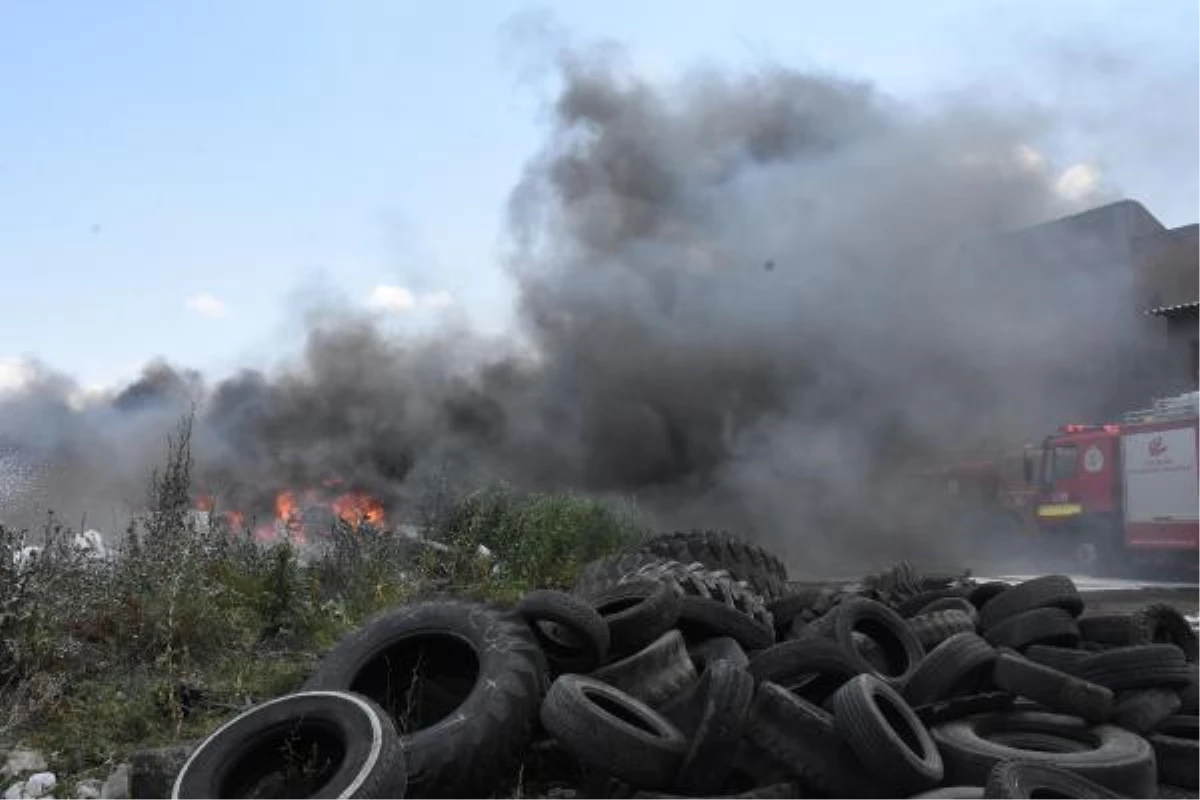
x,y
308,744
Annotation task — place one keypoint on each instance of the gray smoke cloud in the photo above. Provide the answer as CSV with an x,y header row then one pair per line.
x,y
749,301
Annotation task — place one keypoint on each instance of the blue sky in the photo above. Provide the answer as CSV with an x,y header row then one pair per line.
x,y
179,179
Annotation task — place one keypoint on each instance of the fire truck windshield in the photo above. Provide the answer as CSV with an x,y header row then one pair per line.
x,y
1064,462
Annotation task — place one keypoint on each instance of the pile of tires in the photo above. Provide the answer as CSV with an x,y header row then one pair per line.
x,y
691,667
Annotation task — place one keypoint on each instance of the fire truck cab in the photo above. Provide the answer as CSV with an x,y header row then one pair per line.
x,y
1124,491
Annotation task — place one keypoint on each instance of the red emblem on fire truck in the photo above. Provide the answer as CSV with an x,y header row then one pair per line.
x,y
1156,447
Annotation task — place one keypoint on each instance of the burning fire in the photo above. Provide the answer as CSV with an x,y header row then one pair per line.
x,y
353,508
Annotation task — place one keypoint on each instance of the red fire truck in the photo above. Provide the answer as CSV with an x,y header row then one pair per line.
x,y
1124,491
1103,496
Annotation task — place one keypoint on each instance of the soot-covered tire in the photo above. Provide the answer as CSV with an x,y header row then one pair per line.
x,y
1143,710
954,667
613,733
655,674
811,668
1051,688
802,737
596,576
353,742
725,691
636,613
1039,626
714,604
952,604
899,645
1160,623
583,646
956,708
719,648
1048,591
934,627
1178,751
1019,779
1111,756
463,683
763,572
981,593
1137,667
1063,659
886,735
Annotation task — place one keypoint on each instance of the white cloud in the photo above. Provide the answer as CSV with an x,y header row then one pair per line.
x,y
206,305
397,298
439,299
15,374
1078,181
391,298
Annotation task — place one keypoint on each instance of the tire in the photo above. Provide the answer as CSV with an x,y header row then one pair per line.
x,y
1189,695
951,793
1143,710
720,550
1175,792
1110,756
935,627
1024,780
636,613
1063,659
775,791
811,668
719,648
1051,688
952,604
655,674
596,576
714,604
1048,591
981,593
1137,667
1112,629
911,606
612,732
953,667
355,738
957,708
726,691
793,604
468,737
802,737
584,644
887,628
1160,623
1040,626
886,735
1178,751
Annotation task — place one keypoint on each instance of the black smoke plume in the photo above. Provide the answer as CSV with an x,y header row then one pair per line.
x,y
749,301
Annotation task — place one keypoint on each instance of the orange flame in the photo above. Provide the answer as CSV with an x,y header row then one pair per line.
x,y
235,519
355,508
204,502
285,506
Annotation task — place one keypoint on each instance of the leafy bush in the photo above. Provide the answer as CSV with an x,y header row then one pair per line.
x,y
183,625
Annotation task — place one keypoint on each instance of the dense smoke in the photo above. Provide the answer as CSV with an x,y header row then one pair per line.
x,y
749,301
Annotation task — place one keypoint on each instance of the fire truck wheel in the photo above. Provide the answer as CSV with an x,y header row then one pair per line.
x,y
572,634
655,674
1021,780
1113,757
350,743
463,681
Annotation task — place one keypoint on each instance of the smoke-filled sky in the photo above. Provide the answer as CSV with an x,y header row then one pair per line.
x,y
740,265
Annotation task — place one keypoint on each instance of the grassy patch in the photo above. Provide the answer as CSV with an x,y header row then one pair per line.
x,y
181,628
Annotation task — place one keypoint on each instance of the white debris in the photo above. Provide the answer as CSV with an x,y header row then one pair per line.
x,y
88,789
22,760
484,552
91,543
40,784
25,557
15,792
